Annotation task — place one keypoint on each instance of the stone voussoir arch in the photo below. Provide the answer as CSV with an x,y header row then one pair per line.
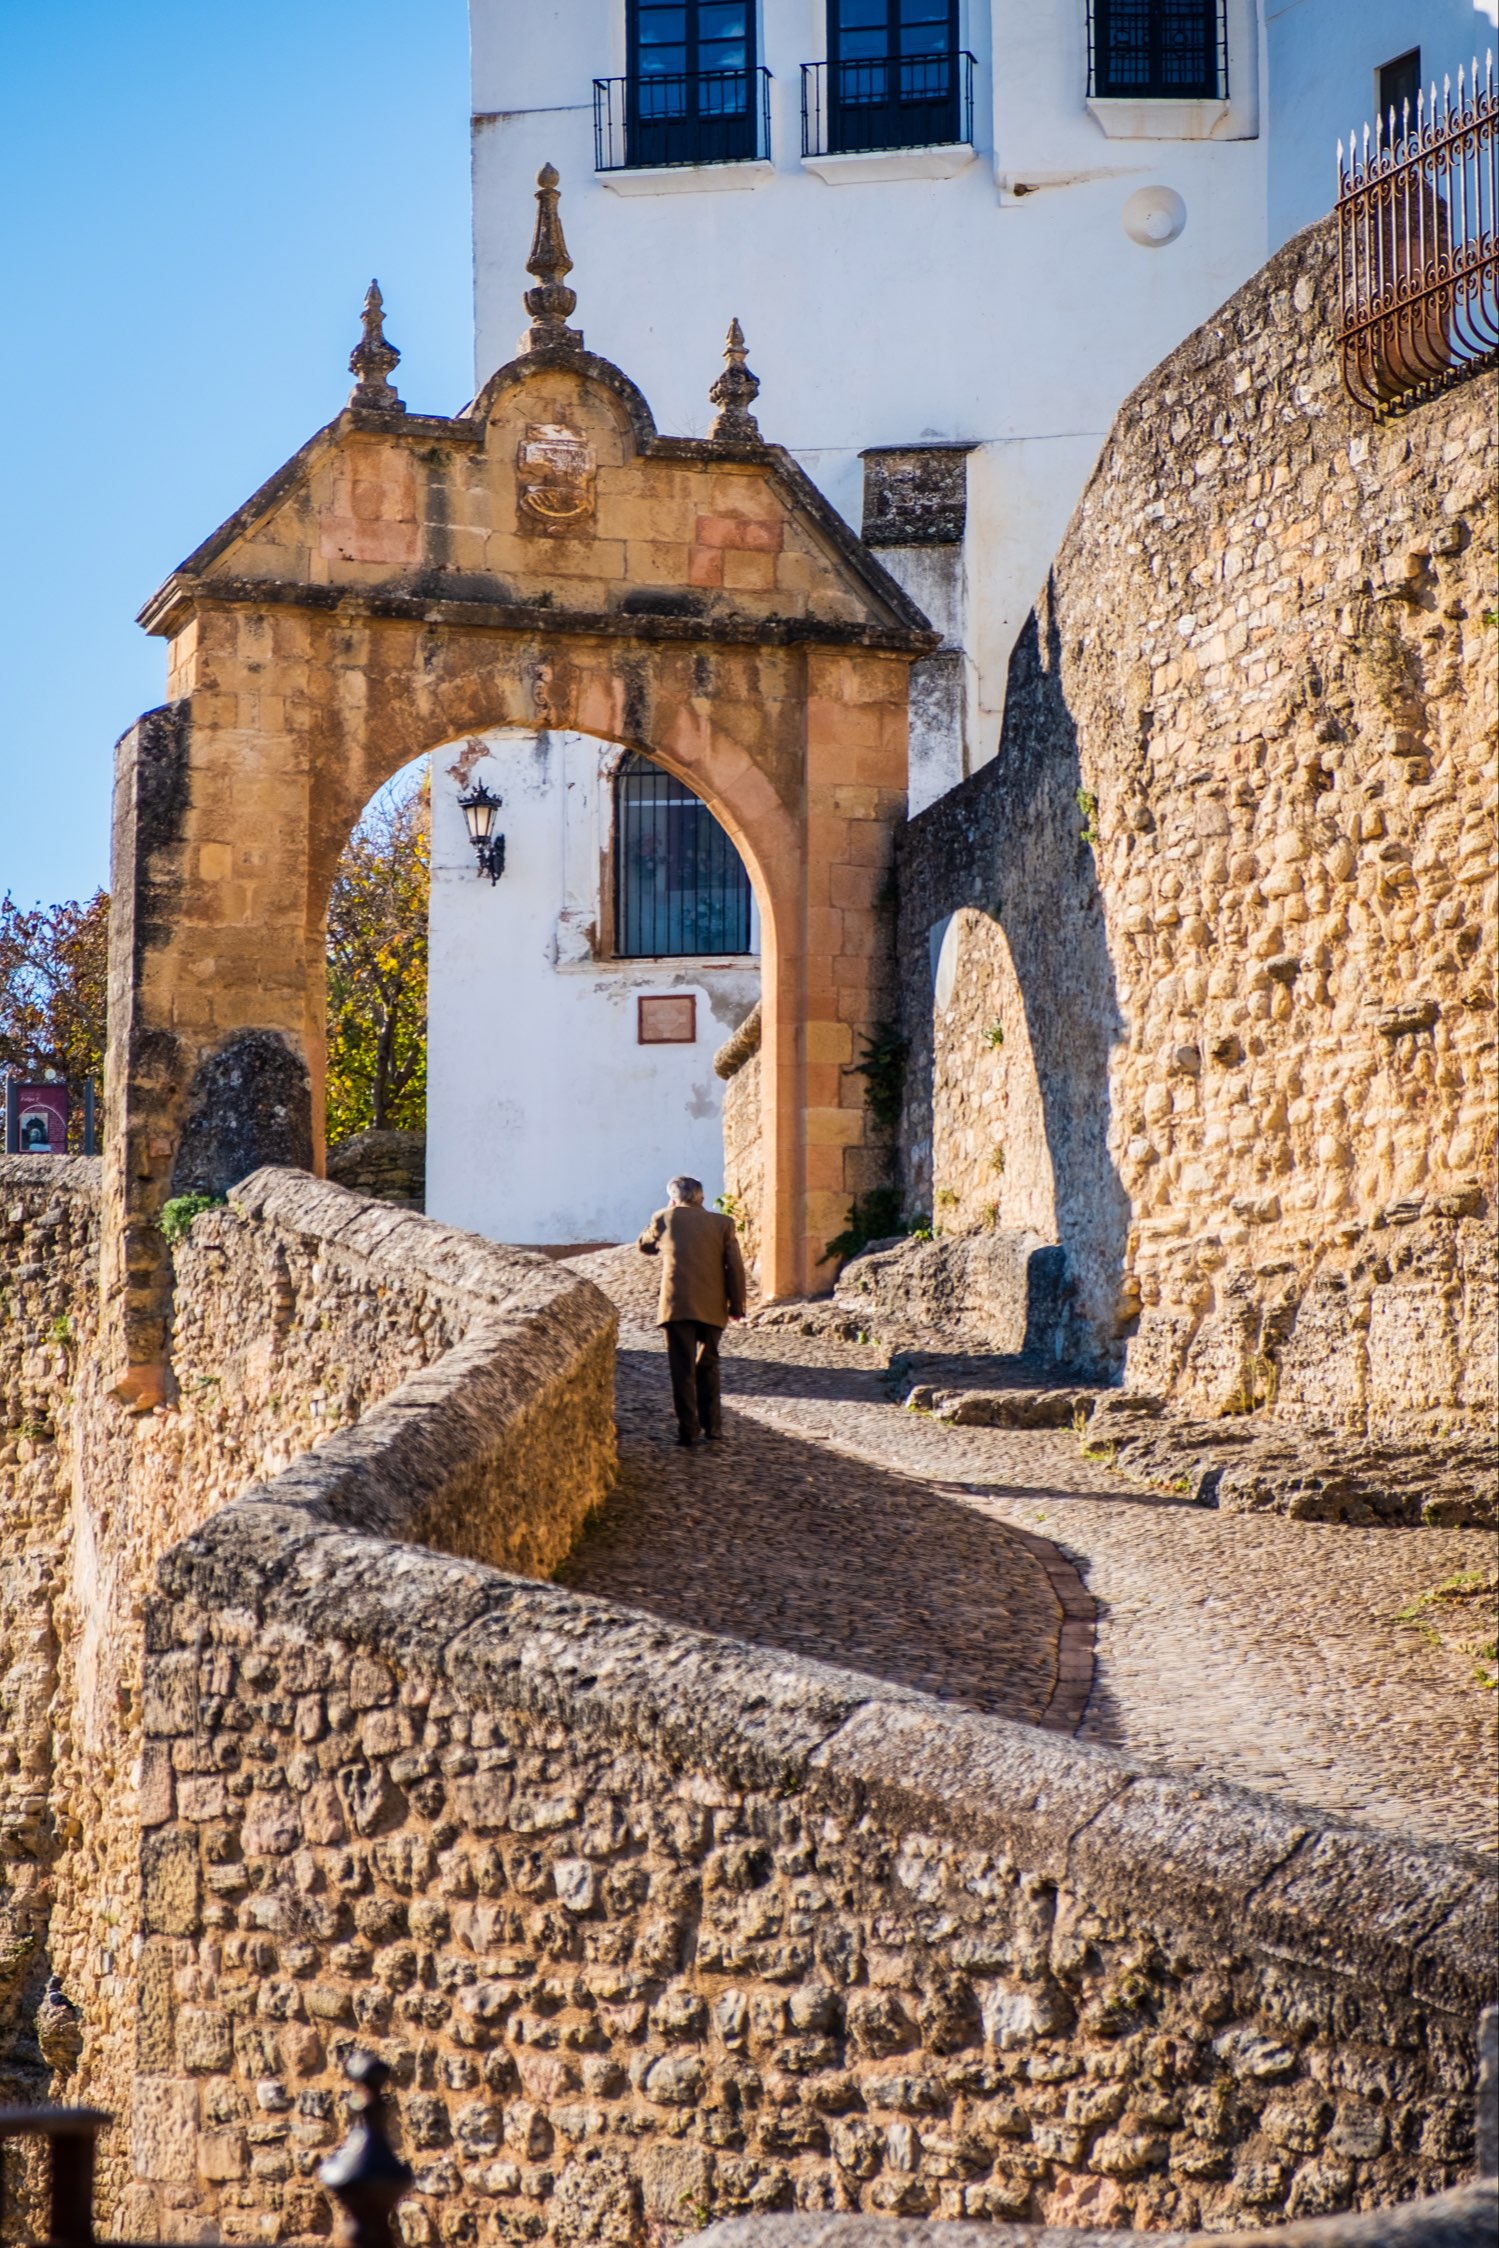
x,y
544,559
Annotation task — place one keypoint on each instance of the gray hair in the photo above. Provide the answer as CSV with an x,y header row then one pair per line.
x,y
685,1189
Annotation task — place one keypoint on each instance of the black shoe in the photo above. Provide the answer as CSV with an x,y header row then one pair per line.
x,y
687,1442
713,1435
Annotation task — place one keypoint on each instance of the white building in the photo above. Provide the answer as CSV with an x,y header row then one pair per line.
x,y
570,1077
956,232
962,245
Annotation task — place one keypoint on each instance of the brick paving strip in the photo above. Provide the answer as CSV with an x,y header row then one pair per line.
x,y
832,1522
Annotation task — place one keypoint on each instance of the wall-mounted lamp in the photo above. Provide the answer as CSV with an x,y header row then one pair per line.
x,y
479,809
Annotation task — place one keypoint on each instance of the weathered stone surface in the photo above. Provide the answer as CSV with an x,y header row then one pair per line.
x,y
1009,1288
386,1165
935,1963
339,1363
1213,936
249,1103
1462,2219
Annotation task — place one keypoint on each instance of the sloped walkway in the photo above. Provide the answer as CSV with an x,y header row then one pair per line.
x,y
834,1523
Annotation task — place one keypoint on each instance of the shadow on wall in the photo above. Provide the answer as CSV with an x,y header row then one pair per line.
x,y
1013,845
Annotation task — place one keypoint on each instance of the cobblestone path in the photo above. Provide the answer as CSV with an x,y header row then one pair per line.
x,y
833,1523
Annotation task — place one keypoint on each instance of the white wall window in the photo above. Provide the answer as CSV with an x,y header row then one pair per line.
x,y
680,889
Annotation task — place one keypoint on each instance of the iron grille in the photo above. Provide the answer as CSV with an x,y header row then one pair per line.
x,y
887,101
1158,50
1418,244
681,117
679,884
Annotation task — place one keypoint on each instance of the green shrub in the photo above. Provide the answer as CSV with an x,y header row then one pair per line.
x,y
178,1215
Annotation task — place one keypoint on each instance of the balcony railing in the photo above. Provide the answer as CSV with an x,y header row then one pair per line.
x,y
682,117
1158,50
1418,238
889,101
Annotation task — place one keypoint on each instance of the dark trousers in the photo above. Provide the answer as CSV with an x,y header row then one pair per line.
x,y
692,1354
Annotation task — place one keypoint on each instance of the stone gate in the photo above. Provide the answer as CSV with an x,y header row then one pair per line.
x,y
542,559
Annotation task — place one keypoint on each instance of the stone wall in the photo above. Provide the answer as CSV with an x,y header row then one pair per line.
x,y
1215,933
653,1927
388,1166
463,1388
48,1255
737,1062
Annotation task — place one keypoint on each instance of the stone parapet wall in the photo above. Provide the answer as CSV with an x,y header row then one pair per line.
x,y
1465,2218
1215,1007
309,1321
654,1927
389,1166
442,1387
49,1249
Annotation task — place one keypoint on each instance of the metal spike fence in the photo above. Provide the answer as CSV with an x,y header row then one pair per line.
x,y
1418,233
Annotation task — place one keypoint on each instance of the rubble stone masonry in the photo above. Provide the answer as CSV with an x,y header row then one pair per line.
x,y
462,1391
1218,1002
651,1926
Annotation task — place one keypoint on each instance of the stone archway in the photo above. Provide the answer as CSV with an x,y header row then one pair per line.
x,y
543,559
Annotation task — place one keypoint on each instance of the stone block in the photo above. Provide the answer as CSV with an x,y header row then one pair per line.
x,y
164,2130
170,1884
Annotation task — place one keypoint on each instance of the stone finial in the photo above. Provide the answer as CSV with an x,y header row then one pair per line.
x,y
373,360
550,303
735,392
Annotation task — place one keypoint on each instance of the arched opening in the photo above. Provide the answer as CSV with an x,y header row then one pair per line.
x,y
375,1082
576,1002
991,1162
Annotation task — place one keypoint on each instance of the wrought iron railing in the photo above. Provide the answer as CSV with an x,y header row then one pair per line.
x,y
1158,50
680,117
886,101
1418,239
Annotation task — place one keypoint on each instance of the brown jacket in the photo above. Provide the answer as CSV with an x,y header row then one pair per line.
x,y
702,1272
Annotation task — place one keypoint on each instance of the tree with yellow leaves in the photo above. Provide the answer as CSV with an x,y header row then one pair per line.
x,y
377,967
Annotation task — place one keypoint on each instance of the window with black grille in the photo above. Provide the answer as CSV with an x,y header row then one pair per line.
x,y
894,74
679,884
692,88
1157,50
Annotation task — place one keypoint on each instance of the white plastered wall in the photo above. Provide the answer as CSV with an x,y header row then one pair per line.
x,y
883,311
1323,60
547,1121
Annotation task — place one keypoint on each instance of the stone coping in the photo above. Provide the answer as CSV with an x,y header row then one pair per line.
x,y
526,1323
61,1174
1399,1917
1466,2218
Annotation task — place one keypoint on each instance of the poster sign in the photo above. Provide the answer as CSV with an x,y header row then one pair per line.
x,y
43,1119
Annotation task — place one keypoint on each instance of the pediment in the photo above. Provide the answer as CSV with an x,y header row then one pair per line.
x,y
551,496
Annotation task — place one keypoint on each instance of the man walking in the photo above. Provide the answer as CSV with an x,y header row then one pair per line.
x,y
702,1288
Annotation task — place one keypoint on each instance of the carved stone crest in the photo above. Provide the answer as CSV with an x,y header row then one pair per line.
x,y
555,480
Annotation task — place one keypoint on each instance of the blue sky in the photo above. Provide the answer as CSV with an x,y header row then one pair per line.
x,y
195,197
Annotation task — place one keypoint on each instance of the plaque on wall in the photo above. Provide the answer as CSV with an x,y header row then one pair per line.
x,y
554,480
667,1021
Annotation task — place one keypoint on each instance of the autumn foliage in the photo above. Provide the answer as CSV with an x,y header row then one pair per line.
x,y
54,978
377,968
54,983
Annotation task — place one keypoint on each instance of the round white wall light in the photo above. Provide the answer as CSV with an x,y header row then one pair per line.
x,y
1154,216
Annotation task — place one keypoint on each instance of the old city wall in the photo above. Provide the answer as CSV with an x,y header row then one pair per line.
x,y
737,1062
1218,987
469,1386
49,1249
653,1927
